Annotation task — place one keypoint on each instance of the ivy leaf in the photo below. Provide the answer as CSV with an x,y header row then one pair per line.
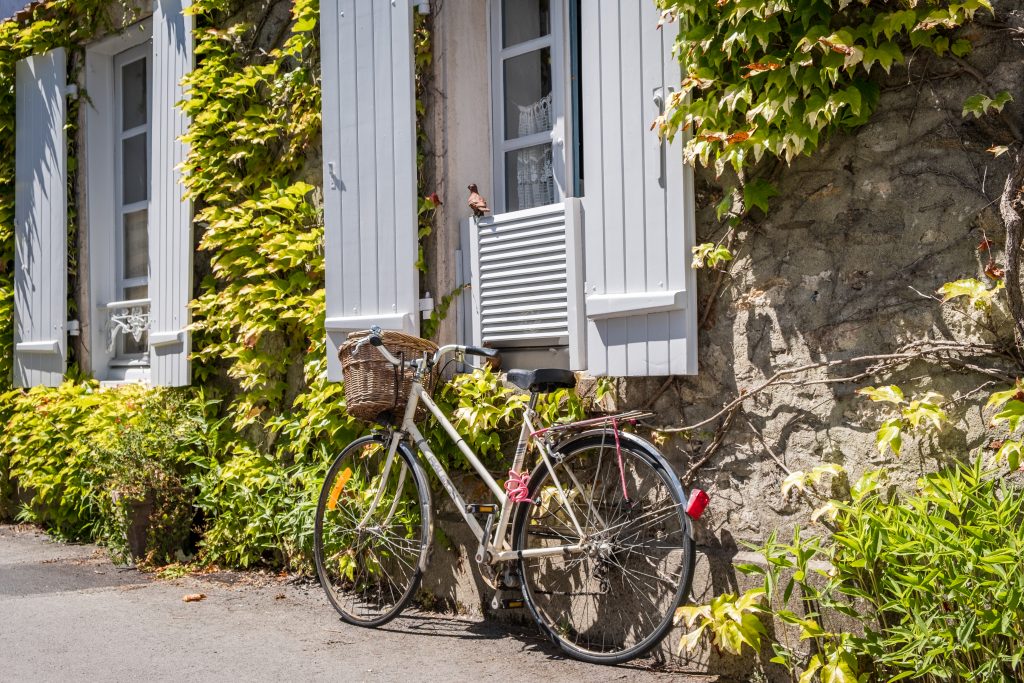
x,y
962,48
710,255
890,436
978,294
757,193
829,511
839,668
888,394
797,480
724,206
980,104
868,482
884,54
926,412
1011,451
690,640
998,398
812,668
1012,414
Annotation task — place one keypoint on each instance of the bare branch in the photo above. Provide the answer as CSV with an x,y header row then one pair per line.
x,y
941,350
1010,207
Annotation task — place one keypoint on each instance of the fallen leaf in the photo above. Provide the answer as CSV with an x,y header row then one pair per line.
x,y
985,244
996,445
998,150
194,597
279,596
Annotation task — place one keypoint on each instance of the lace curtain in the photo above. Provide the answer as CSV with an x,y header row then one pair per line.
x,y
535,181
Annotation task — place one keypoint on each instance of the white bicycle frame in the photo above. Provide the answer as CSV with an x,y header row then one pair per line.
x,y
493,548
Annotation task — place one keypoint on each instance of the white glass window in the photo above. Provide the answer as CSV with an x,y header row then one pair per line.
x,y
132,95
528,47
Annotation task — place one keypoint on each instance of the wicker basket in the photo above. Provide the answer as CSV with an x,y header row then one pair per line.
x,y
375,390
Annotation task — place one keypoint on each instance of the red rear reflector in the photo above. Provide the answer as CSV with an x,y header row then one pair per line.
x,y
698,501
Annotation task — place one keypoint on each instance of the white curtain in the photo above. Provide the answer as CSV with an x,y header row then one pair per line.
x,y
534,177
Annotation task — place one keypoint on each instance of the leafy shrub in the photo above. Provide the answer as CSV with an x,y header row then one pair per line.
x,y
931,579
81,457
45,445
145,461
257,510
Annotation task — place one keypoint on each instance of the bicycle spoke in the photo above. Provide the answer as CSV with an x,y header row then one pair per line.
x,y
617,596
370,534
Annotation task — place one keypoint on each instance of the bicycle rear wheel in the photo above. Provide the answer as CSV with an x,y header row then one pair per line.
x,y
616,599
372,532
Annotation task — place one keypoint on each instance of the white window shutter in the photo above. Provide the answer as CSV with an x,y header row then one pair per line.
x,y
40,233
638,223
370,196
170,215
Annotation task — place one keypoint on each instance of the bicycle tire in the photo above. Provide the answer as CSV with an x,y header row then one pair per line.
x,y
370,571
601,606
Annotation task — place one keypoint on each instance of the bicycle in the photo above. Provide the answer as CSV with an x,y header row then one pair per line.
x,y
596,539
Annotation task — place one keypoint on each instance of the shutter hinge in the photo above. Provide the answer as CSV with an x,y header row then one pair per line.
x,y
426,306
71,90
74,328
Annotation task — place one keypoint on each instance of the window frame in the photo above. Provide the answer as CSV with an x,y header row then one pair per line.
x,y
558,41
121,210
101,191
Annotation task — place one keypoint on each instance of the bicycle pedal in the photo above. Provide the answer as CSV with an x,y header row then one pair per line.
x,y
482,508
499,602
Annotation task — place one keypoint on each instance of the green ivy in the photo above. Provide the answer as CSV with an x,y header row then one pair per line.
x,y
777,78
254,116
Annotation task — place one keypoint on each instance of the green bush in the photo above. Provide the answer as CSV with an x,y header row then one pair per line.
x,y
81,457
257,510
45,444
930,581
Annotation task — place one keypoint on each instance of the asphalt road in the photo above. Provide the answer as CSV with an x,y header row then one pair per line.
x,y
68,614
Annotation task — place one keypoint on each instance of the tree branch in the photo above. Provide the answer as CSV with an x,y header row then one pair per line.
x,y
1010,207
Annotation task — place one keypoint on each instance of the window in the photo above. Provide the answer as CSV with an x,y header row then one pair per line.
x,y
132,116
528,45
120,128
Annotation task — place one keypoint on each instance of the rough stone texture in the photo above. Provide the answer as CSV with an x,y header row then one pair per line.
x,y
837,270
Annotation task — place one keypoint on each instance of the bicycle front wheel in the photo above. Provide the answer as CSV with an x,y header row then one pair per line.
x,y
372,531
616,598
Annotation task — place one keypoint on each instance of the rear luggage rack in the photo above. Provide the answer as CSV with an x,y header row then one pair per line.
x,y
629,417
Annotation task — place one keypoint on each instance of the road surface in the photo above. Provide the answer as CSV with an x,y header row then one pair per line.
x,y
67,613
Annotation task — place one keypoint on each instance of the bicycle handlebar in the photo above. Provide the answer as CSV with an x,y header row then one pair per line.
x,y
376,339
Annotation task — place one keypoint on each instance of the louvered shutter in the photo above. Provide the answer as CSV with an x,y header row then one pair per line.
x,y
525,265
40,233
170,216
370,202
640,291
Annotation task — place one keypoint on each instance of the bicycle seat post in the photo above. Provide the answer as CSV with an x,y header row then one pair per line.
x,y
532,405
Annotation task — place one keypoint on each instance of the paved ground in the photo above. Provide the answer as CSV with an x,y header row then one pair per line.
x,y
66,613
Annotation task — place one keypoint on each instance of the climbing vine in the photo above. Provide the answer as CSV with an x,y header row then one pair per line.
x,y
768,81
255,111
